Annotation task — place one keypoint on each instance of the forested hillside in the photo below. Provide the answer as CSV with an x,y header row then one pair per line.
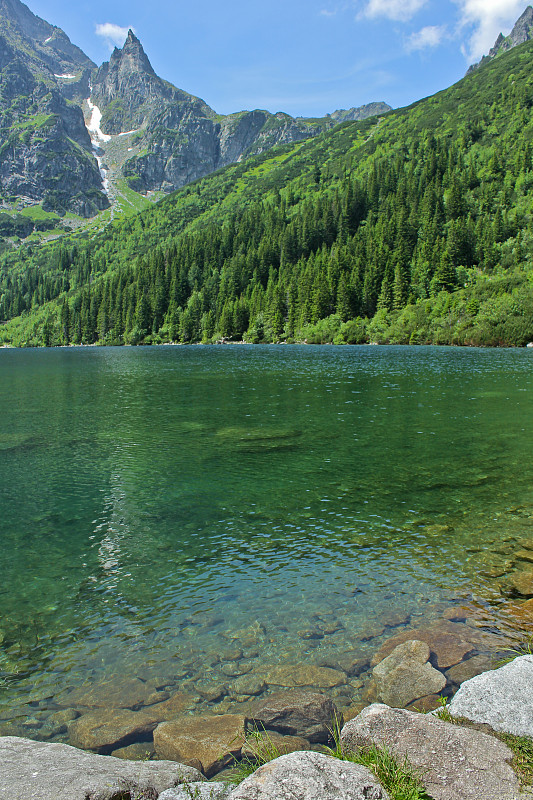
x,y
415,227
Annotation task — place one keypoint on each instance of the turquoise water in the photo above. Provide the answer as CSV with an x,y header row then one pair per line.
x,y
157,502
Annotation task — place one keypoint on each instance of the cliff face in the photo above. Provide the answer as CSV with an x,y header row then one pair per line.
x,y
71,132
45,150
522,32
178,137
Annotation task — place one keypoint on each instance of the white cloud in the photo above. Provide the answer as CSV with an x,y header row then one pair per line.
x,y
488,18
393,9
430,36
113,34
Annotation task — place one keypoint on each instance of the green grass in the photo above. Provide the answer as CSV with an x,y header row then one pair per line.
x,y
398,777
522,763
38,213
523,648
521,746
263,749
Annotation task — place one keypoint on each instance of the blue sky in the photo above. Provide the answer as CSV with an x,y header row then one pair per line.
x,y
305,57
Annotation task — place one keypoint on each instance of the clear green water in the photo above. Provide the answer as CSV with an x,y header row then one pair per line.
x,y
154,501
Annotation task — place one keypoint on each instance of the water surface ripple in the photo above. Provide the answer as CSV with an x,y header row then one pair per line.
x,y
153,501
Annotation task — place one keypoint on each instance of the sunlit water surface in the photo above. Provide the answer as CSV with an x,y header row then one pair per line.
x,y
157,502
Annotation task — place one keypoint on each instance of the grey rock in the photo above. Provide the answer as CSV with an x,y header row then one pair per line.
x,y
198,791
42,771
179,137
455,763
310,776
405,675
175,137
361,112
501,698
296,713
49,158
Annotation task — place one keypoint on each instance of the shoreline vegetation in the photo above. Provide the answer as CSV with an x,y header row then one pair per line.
x,y
285,343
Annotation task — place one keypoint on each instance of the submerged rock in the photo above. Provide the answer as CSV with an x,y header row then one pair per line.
x,y
307,675
455,763
117,693
42,771
296,713
521,582
210,743
502,698
310,776
170,708
103,731
468,669
448,642
140,751
405,675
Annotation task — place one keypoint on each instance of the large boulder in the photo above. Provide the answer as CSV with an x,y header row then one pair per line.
x,y
310,776
104,731
42,771
455,763
295,713
406,675
210,743
502,698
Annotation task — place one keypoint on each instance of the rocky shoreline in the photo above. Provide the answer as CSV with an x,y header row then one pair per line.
x,y
454,761
141,736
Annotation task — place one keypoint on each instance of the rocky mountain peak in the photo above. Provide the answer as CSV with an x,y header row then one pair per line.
x,y
131,58
522,32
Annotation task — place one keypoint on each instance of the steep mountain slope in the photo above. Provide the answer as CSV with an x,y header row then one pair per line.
x,y
45,150
410,228
522,32
174,138
43,45
144,136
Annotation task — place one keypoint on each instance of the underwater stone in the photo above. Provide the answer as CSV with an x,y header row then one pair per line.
x,y
304,675
295,712
405,675
469,669
521,582
140,751
105,730
448,642
213,741
117,693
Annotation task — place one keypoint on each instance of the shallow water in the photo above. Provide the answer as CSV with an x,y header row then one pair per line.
x,y
168,512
